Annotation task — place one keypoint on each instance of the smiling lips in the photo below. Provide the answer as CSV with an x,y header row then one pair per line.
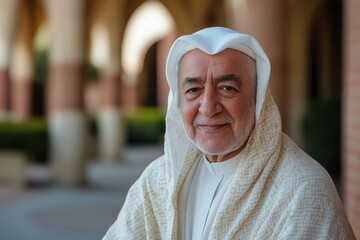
x,y
212,127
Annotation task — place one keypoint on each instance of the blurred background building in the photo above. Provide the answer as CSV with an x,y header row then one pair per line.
x,y
85,78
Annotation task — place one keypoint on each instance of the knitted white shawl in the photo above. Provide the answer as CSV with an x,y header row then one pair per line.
x,y
278,192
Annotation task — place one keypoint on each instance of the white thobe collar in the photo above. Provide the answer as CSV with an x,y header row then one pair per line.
x,y
222,168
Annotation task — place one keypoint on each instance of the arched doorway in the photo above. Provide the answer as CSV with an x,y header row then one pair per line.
x,y
148,24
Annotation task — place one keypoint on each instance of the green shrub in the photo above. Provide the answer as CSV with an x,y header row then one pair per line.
x,y
30,137
145,125
322,132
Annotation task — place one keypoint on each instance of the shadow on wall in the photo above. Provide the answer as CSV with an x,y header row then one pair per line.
x,y
322,133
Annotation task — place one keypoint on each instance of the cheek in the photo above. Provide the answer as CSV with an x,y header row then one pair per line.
x,y
188,112
244,115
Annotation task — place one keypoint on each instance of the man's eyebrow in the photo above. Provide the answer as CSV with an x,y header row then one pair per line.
x,y
189,80
228,77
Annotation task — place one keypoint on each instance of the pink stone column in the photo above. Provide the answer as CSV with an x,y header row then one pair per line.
x,y
21,69
129,95
9,12
265,20
21,101
351,113
110,119
4,93
106,32
65,91
110,87
65,88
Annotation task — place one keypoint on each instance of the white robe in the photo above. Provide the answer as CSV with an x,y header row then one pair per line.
x,y
201,195
277,191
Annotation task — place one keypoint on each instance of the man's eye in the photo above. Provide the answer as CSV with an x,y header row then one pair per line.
x,y
228,91
228,88
192,90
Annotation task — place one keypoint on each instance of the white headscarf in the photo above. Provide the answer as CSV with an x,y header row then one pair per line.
x,y
211,41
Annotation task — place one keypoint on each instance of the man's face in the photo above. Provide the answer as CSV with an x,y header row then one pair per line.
x,y
216,99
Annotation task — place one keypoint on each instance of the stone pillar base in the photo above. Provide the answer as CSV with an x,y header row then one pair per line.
x,y
111,134
68,142
12,167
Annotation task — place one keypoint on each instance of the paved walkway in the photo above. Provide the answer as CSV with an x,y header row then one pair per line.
x,y
43,213
67,213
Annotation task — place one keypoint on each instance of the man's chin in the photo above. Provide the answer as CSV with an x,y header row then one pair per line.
x,y
214,151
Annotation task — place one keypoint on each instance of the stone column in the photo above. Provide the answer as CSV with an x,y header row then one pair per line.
x,y
265,20
66,118
4,93
21,97
22,69
351,113
9,10
110,119
108,26
130,98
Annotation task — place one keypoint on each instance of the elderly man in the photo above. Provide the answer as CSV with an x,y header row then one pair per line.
x,y
228,171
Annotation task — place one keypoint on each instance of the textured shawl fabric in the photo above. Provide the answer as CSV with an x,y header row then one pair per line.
x,y
278,192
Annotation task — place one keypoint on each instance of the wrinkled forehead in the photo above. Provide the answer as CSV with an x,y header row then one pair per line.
x,y
228,55
228,61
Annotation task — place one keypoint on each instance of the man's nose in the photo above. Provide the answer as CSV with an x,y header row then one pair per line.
x,y
210,104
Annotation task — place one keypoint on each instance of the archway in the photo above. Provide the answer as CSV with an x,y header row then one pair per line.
x,y
149,23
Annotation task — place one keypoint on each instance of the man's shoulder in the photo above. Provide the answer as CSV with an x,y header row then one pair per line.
x,y
298,168
152,177
306,196
155,167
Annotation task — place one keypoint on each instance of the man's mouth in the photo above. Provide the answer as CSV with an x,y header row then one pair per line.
x,y
212,127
